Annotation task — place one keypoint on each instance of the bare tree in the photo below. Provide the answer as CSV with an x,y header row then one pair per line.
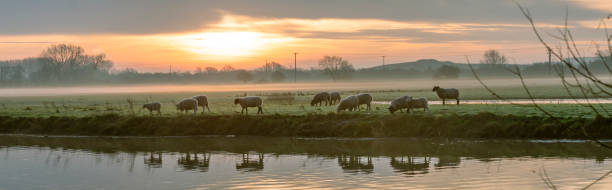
x,y
577,77
336,67
493,57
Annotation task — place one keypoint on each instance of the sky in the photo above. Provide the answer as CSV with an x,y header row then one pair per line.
x,y
151,35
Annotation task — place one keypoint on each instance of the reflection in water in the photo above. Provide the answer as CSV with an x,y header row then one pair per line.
x,y
410,165
448,161
355,164
114,163
249,165
191,161
154,160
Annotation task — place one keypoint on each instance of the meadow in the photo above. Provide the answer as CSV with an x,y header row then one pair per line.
x,y
288,112
285,99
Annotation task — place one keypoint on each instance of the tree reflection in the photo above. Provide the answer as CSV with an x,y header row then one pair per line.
x,y
251,165
410,166
194,161
354,164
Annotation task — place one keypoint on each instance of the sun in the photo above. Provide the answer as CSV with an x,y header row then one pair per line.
x,y
227,43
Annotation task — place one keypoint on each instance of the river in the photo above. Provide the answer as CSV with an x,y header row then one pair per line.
x,y
34,162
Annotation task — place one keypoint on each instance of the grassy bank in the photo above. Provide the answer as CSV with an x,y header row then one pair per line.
x,y
482,125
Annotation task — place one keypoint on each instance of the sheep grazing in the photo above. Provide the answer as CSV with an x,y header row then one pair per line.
x,y
202,101
249,101
153,106
320,98
364,99
418,103
334,97
446,93
187,104
351,103
399,104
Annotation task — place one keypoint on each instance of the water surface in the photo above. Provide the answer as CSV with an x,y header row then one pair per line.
x,y
28,162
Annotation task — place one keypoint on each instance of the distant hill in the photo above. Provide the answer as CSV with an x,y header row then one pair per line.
x,y
419,65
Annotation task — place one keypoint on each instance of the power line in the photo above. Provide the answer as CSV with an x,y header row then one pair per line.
x,y
295,67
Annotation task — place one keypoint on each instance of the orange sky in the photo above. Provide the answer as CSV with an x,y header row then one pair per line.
x,y
247,41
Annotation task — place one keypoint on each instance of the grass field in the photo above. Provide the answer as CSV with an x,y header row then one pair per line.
x,y
275,102
288,113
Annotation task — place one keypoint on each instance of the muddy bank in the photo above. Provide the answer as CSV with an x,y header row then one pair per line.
x,y
482,125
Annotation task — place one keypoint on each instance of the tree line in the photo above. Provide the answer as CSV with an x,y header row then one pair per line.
x,y
63,64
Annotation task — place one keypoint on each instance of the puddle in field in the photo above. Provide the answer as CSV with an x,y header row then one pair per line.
x,y
29,162
520,101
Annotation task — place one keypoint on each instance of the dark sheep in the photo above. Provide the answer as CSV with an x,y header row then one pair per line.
x,y
188,104
364,99
320,98
446,93
153,106
250,101
334,98
202,101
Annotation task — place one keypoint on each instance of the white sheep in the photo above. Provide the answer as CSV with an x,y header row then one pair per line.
x,y
351,103
188,104
446,93
249,101
364,99
202,101
153,106
418,103
399,104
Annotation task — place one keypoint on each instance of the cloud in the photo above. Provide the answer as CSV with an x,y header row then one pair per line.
x,y
152,17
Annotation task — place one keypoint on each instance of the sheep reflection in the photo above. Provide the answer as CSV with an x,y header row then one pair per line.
x,y
154,160
448,162
410,166
194,161
251,165
355,164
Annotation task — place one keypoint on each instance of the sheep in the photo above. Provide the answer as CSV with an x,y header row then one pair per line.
x,y
202,101
334,97
153,106
364,99
320,98
249,101
399,104
448,93
188,104
418,103
351,103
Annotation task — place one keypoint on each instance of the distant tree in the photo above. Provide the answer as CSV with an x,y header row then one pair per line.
x,y
271,67
244,76
210,70
446,71
278,76
227,68
199,70
336,67
100,63
61,58
493,57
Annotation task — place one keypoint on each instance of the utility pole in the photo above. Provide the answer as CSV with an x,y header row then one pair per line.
x,y
383,62
170,72
549,60
295,67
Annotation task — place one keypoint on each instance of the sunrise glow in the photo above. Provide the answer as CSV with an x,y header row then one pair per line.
x,y
232,43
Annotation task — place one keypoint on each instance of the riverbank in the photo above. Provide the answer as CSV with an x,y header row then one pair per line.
x,y
482,125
